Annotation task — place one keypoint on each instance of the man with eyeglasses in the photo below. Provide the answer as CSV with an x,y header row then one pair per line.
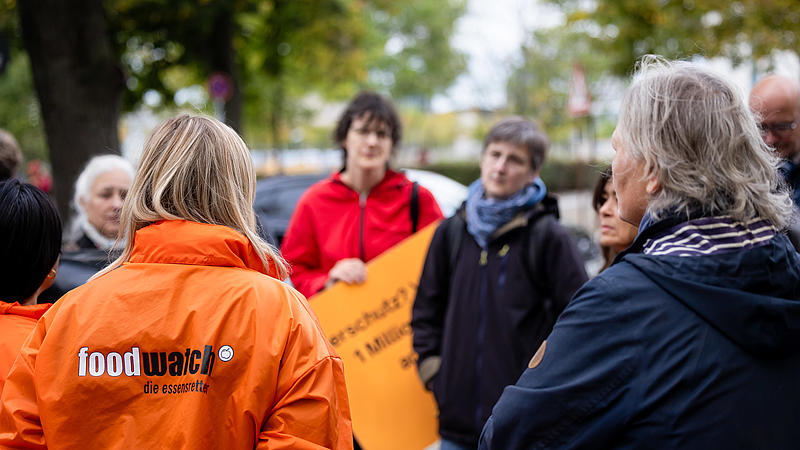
x,y
776,101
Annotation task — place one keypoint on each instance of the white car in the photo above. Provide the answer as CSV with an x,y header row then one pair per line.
x,y
449,193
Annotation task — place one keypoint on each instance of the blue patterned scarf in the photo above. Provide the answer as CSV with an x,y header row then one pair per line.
x,y
486,215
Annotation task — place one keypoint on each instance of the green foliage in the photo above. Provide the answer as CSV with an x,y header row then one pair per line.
x,y
625,30
539,86
281,50
426,130
463,172
19,109
561,175
419,60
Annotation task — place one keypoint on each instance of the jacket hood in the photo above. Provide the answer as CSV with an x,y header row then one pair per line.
x,y
31,311
751,296
184,242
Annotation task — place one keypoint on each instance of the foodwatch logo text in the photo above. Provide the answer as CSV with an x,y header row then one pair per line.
x,y
154,364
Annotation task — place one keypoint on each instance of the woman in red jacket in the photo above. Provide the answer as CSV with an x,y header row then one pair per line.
x,y
190,339
346,220
29,249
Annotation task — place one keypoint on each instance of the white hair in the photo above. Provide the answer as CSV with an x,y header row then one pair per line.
x,y
97,166
694,132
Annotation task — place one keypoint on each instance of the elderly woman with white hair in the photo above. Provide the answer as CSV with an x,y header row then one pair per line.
x,y
99,192
92,240
691,339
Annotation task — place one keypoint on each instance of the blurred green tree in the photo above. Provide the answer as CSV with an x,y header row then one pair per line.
x,y
277,51
539,85
742,30
91,58
413,58
19,109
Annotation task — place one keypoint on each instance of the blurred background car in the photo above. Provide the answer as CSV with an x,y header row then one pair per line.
x,y
277,197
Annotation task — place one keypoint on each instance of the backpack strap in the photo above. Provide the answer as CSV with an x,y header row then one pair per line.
x,y
414,209
531,257
455,227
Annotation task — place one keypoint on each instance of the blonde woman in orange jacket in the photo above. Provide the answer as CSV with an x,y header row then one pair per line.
x,y
189,339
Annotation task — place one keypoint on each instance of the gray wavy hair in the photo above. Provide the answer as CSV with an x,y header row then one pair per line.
x,y
694,131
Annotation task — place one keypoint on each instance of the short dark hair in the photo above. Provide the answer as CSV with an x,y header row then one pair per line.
x,y
10,155
31,239
599,195
522,132
375,108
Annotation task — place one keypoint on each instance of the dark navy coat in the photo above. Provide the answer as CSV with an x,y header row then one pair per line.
x,y
667,352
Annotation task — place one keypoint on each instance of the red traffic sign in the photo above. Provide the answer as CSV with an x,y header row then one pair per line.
x,y
220,86
579,102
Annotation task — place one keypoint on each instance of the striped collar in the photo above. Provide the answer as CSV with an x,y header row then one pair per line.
x,y
710,235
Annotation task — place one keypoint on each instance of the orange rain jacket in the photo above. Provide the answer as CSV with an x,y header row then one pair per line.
x,y
16,323
187,345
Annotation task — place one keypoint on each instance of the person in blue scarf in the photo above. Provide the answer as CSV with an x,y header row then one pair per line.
x,y
691,338
496,276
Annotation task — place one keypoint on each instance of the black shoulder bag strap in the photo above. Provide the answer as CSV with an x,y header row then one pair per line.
x,y
531,257
414,207
453,234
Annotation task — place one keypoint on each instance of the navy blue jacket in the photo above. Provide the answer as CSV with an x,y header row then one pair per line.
x,y
486,315
667,352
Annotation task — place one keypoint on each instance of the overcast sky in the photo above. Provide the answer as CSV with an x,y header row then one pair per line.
x,y
490,33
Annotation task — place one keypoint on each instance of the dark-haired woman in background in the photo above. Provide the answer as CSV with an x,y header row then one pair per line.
x,y
346,220
615,234
29,249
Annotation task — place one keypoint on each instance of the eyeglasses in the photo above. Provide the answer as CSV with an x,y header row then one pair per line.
x,y
364,132
778,128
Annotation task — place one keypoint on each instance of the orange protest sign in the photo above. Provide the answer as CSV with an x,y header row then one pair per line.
x,y
370,327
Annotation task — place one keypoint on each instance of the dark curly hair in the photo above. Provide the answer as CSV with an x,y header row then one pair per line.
x,y
374,108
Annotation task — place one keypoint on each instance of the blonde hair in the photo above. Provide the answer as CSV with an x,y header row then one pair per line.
x,y
694,131
198,169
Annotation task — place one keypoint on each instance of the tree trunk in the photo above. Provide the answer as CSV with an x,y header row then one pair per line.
x,y
274,67
78,81
276,114
223,59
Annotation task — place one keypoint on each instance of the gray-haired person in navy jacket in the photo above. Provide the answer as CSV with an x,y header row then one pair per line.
x,y
496,276
691,339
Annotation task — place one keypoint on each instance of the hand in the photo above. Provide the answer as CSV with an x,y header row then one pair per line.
x,y
350,271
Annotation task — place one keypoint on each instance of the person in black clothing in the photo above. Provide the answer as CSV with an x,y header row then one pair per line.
x,y
496,277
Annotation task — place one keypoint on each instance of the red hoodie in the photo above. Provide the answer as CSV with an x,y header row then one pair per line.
x,y
332,223
16,323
